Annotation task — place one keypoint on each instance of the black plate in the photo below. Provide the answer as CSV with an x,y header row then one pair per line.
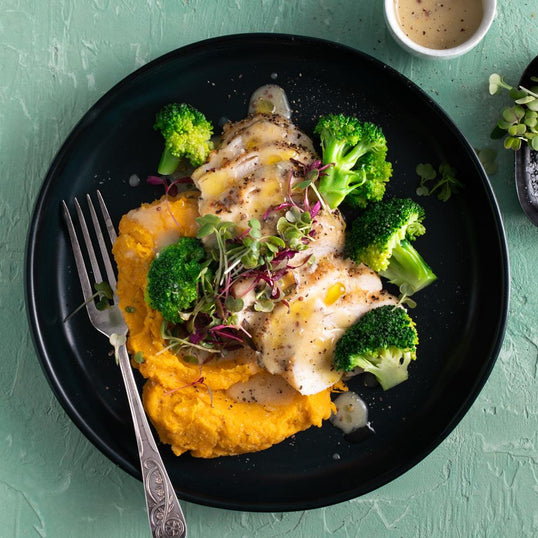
x,y
461,318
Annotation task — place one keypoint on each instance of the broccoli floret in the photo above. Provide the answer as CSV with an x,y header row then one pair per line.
x,y
357,154
383,342
172,281
380,238
377,171
187,134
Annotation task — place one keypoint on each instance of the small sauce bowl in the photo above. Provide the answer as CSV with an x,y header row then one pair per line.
x,y
489,8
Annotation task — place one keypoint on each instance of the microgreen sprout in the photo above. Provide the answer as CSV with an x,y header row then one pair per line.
x,y
312,173
295,228
116,341
442,182
488,158
171,186
103,298
426,172
176,343
200,380
251,255
103,294
518,123
245,267
405,300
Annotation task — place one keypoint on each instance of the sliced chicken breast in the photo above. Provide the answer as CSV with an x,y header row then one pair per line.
x,y
249,173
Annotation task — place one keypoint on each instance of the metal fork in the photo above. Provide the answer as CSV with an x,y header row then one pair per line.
x,y
164,511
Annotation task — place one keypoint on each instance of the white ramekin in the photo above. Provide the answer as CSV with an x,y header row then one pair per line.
x,y
489,9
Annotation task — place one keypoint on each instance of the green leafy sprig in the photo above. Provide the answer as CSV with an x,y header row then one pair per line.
x,y
518,123
248,256
442,182
294,228
488,159
235,251
103,298
235,254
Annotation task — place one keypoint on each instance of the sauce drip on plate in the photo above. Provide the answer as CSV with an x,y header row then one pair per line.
x,y
439,24
264,389
270,99
351,412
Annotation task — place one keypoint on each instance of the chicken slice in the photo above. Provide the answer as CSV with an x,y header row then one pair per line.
x,y
250,135
263,128
297,341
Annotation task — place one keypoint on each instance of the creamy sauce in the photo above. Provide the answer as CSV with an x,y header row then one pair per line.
x,y
270,99
351,412
439,24
264,389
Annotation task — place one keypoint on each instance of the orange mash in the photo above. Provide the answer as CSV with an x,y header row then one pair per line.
x,y
228,406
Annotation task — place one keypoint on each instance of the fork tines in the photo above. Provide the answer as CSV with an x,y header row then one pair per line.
x,y
85,281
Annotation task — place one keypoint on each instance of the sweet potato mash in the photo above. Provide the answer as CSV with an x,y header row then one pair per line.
x,y
227,406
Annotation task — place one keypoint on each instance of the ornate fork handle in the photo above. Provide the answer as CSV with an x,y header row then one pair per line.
x,y
164,511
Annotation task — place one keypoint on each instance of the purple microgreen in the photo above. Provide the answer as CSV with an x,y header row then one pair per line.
x,y
242,235
284,254
311,173
170,186
304,262
177,343
155,180
276,209
246,256
320,198
314,210
226,332
198,381
196,337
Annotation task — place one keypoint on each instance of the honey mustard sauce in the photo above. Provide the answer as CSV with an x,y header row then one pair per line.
x,y
351,412
439,24
270,99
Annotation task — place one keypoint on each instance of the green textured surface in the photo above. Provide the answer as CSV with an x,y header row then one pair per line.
x,y
57,58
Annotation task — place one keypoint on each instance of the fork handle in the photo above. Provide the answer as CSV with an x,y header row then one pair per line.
x,y
164,511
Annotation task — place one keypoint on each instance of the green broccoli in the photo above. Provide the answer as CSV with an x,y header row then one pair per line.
x,y
357,152
380,238
172,281
187,134
383,342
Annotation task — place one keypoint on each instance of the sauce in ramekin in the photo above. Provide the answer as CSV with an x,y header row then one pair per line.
x,y
439,24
